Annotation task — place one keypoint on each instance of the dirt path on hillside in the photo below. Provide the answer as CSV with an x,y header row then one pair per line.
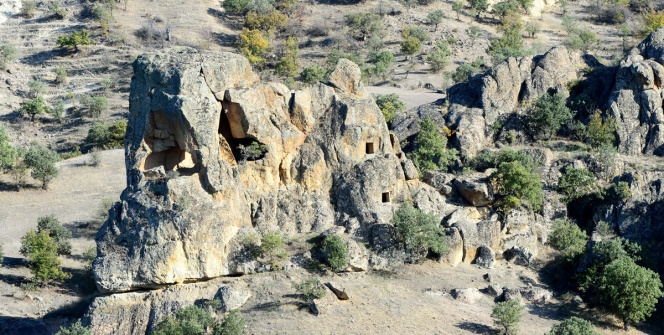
x,y
411,98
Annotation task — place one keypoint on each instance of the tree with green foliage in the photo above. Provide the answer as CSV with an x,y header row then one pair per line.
x,y
273,248
253,45
439,56
313,74
235,7
532,28
510,44
505,8
8,154
378,64
473,32
492,159
573,326
42,251
629,291
192,320
76,328
418,232
435,17
601,131
516,183
466,70
576,182
57,10
268,22
95,104
362,25
74,40
36,88
548,113
431,151
33,107
41,162
592,264
568,238
289,63
233,324
582,39
479,6
410,45
310,289
336,252
57,231
8,54
507,315
101,134
457,7
252,152
390,105
102,15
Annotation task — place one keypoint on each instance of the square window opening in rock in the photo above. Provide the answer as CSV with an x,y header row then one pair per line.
x,y
370,148
386,197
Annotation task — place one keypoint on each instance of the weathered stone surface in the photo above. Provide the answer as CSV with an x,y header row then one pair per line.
x,y
475,189
467,295
494,290
454,255
519,256
232,297
329,160
511,294
486,257
324,304
537,295
440,181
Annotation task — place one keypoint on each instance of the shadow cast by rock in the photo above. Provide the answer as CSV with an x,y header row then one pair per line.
x,y
476,328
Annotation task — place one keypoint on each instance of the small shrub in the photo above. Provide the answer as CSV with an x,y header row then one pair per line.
x,y
435,17
95,157
313,74
513,181
58,111
57,231
510,44
270,22
236,7
289,63
253,151
573,326
601,131
42,250
192,320
36,88
575,183
418,232
74,40
95,105
622,190
8,54
273,248
653,21
507,315
431,152
28,9
548,113
253,45
362,25
76,328
466,70
390,105
438,57
568,238
583,40
336,252
532,28
311,289
57,10
457,7
473,32
33,107
41,162
233,324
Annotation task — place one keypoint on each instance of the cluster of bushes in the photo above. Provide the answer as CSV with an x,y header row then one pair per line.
x,y
42,247
17,162
105,135
431,152
390,105
195,320
419,233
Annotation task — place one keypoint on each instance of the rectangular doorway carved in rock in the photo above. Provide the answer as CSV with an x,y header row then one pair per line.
x,y
386,197
370,148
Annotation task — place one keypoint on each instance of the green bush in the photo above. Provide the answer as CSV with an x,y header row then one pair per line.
x,y
583,40
510,44
390,105
479,6
273,248
466,70
431,152
516,183
548,113
435,17
192,320
378,65
336,252
8,54
622,190
576,182
313,74
236,6
507,315
439,56
33,107
311,289
28,9
492,159
233,324
289,63
57,231
362,25
573,326
74,40
42,251
95,105
252,151
57,10
568,238
8,154
600,131
419,232
629,291
104,135
593,263
41,162
76,328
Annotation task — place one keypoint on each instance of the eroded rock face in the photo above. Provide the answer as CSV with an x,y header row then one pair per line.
x,y
319,157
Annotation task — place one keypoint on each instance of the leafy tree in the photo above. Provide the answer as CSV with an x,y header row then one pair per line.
x,y
479,6
435,17
41,161
101,134
439,56
76,328
653,21
576,182
60,75
289,63
310,289
8,54
273,248
417,32
313,74
582,39
57,231
336,252
601,131
492,159
270,22
505,8
362,25
457,7
573,326
42,250
568,238
102,15
232,324
74,40
466,70
431,152
8,154
253,45
378,64
192,320
410,45
532,28
510,44
390,105
473,32
628,290
33,107
235,7
516,183
57,10
507,315
592,264
36,88
548,113
418,232
95,105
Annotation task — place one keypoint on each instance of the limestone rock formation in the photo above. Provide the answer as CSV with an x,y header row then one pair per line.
x,y
211,150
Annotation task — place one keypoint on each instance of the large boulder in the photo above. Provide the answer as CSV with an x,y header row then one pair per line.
x,y
475,189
